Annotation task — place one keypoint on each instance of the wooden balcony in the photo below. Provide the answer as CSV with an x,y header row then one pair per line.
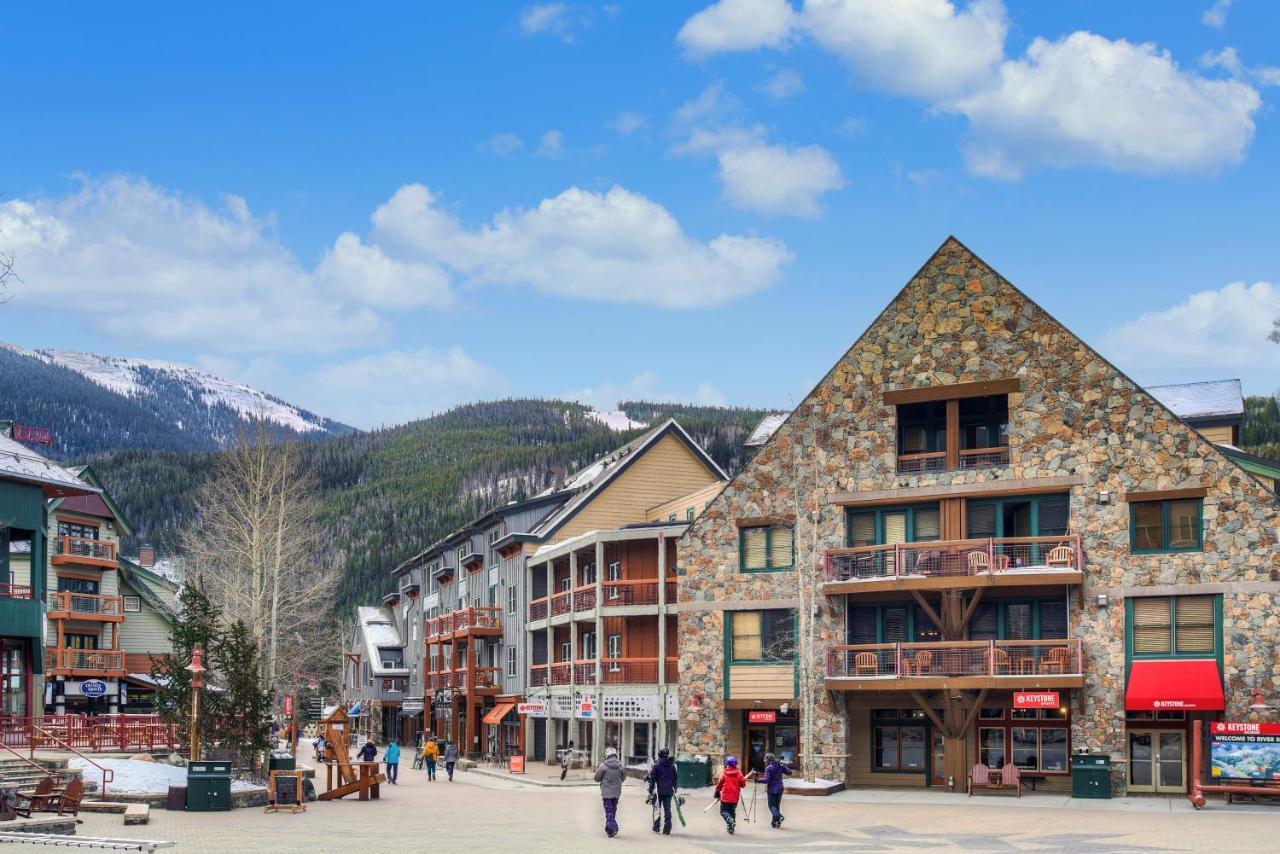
x,y
539,675
956,664
538,609
968,458
481,621
82,550
86,606
15,591
955,564
613,594
84,662
634,671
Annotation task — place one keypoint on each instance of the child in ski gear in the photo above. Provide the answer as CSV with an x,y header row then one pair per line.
x,y
662,787
392,757
775,770
729,791
610,775
450,759
368,752
430,753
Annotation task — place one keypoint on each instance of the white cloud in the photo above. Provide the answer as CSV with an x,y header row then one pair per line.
x,y
1211,334
379,279
144,263
396,386
777,180
627,123
502,144
732,25
851,126
927,48
646,386
786,83
1216,15
1229,61
559,19
617,246
551,145
1087,100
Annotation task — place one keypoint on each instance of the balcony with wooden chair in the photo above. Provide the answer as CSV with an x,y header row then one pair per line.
x,y
955,564
62,661
65,605
1009,664
83,551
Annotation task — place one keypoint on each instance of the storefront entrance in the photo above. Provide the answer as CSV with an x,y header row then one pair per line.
x,y
937,757
1157,761
780,737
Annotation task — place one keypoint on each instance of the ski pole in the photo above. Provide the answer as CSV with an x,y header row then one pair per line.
x,y
710,805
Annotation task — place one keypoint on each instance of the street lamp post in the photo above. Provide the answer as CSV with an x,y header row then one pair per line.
x,y
197,669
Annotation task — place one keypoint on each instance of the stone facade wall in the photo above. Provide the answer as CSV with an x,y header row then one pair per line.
x,y
958,321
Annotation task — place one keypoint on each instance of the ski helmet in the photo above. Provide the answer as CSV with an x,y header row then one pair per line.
x,y
731,762
663,753
610,752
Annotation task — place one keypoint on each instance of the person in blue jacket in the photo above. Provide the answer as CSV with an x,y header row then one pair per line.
x,y
392,757
662,787
775,770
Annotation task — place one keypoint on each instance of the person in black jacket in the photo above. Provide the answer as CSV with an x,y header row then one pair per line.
x,y
662,787
368,752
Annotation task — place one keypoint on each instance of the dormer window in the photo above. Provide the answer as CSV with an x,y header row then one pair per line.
x,y
937,432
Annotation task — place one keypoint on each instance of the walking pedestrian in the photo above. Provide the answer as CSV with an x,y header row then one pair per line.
x,y
367,753
610,775
729,792
450,759
775,772
430,753
392,757
662,787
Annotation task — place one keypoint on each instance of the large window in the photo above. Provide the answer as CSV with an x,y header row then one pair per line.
x,y
78,585
978,439
1034,740
72,529
984,422
886,526
763,635
1162,626
1165,526
1023,619
1035,516
511,662
922,427
898,748
766,548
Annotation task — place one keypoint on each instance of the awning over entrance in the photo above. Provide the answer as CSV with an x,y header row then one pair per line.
x,y
498,712
1186,685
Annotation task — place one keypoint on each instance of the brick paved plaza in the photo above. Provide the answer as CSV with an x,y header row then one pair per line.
x,y
480,810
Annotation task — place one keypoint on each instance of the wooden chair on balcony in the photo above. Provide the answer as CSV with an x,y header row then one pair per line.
x,y
866,664
1055,660
923,662
1062,555
999,661
979,562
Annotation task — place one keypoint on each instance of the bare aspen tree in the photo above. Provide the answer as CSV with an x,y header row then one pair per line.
x,y
257,546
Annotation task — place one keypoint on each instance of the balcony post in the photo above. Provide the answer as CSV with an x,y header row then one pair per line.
x,y
897,560
897,659
991,658
991,554
597,722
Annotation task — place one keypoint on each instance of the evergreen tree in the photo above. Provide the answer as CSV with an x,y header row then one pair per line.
x,y
197,626
245,725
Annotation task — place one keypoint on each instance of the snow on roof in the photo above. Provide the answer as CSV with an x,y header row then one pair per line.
x,y
765,429
379,630
18,462
1215,398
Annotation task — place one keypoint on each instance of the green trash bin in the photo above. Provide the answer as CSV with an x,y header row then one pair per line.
x,y
692,774
281,761
208,786
1091,776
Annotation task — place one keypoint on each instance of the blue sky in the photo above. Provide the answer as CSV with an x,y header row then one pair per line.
x,y
381,212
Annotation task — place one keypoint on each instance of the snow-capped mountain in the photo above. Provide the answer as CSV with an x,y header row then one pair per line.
x,y
94,402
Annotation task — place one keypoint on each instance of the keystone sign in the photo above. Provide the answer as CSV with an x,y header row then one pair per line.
x,y
1035,699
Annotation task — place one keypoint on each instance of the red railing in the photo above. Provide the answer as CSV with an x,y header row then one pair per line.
x,y
970,458
643,591
538,609
538,675
561,673
561,603
584,671
629,671
84,660
66,546
673,670
584,598
957,658
15,591
954,558
487,677
107,774
117,733
477,617
85,604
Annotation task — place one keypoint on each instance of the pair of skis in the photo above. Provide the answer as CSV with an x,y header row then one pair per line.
x,y
657,812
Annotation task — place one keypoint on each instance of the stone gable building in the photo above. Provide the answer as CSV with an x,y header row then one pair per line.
x,y
1008,553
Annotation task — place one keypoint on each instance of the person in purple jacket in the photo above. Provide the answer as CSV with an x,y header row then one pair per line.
x,y
774,772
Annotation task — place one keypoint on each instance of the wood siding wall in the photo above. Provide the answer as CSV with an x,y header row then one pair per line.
x,y
765,681
681,506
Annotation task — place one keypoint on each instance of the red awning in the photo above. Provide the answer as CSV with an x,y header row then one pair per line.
x,y
1177,685
498,712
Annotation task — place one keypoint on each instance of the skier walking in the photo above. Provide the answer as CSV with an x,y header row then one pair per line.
x,y
392,757
775,770
662,788
610,775
729,792
430,753
367,753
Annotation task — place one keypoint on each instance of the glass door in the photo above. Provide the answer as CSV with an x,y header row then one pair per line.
x,y
937,757
1157,761
757,746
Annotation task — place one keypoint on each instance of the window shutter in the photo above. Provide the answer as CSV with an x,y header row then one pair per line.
x,y
862,625
1151,625
985,623
862,529
746,635
928,524
781,545
1053,619
1195,631
982,520
895,625
1018,621
753,548
1053,516
895,528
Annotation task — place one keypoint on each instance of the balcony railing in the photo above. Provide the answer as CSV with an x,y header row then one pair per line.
x,y
584,598
561,673
85,605
488,677
629,671
84,660
538,609
970,458
940,558
643,591
956,659
477,617
561,603
69,548
539,675
15,591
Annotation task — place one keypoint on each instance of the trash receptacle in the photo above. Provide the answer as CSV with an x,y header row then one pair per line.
x,y
692,773
1091,776
208,786
177,798
281,761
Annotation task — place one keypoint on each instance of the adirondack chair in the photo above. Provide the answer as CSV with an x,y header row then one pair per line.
x,y
979,775
999,661
923,662
1062,555
979,562
866,664
68,800
34,800
1011,777
1055,660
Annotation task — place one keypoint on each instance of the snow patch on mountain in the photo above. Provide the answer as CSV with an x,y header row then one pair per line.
x,y
619,421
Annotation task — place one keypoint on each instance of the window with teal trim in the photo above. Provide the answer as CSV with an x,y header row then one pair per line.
x,y
1164,626
763,636
1166,526
917,523
1032,516
1020,619
766,548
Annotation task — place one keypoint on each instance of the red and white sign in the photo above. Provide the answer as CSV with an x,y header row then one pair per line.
x,y
762,717
288,705
587,708
531,708
1035,700
1234,728
32,435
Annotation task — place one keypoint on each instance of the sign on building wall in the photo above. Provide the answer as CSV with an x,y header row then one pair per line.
x,y
1244,751
1035,700
762,717
93,687
586,707
537,709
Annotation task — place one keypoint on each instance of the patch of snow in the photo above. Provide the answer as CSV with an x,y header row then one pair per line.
x,y
765,429
135,777
618,420
818,783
